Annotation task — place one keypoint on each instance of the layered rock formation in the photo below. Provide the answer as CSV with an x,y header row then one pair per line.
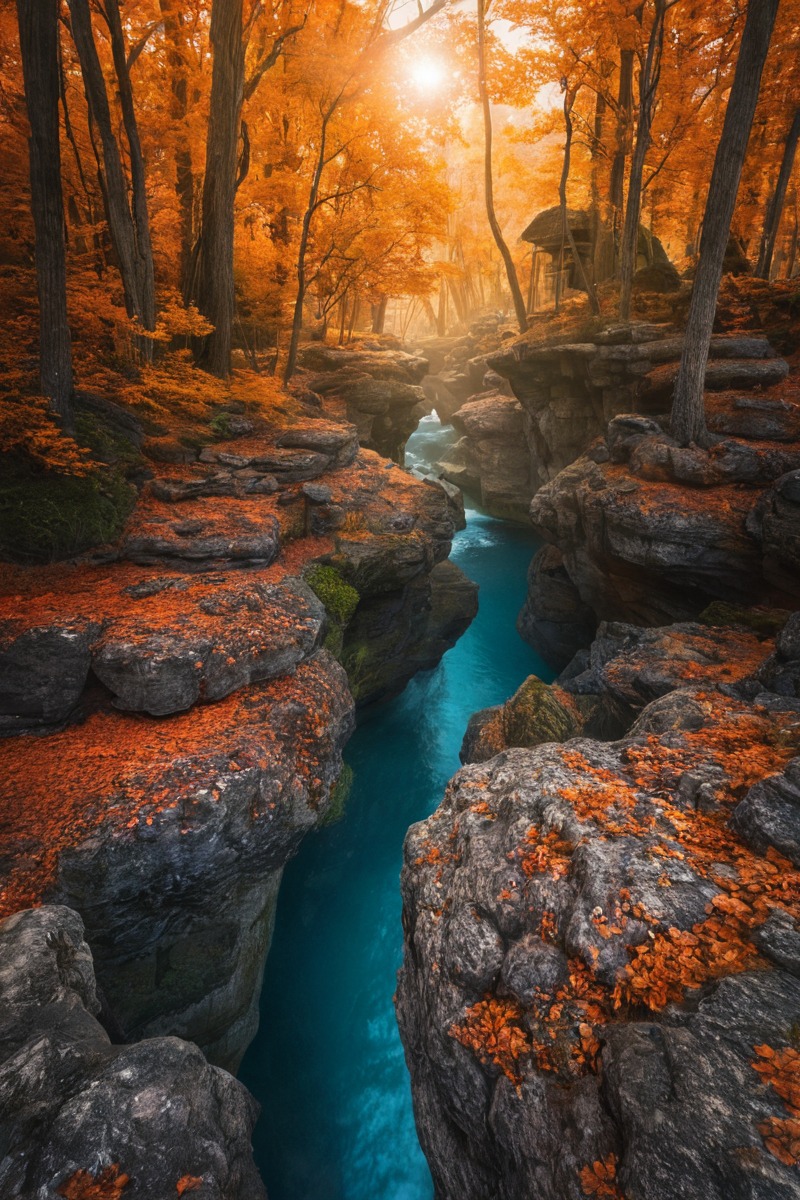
x,y
458,365
491,460
378,390
571,391
83,1117
646,531
189,716
601,980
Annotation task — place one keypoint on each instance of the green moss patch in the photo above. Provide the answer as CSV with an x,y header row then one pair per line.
x,y
340,794
45,517
764,622
340,599
535,715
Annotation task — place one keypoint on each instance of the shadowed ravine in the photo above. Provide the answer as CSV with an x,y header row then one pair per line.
x,y
327,1065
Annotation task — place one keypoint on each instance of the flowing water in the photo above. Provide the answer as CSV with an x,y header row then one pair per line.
x,y
327,1064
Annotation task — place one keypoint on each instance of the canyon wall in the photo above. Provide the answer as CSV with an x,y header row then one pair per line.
x,y
601,979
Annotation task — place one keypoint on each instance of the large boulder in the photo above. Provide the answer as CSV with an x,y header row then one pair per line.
x,y
601,977
492,459
80,1116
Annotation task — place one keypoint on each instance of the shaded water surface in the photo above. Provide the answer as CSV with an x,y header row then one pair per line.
x,y
327,1064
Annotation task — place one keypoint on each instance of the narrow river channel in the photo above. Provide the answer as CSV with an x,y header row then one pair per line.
x,y
327,1064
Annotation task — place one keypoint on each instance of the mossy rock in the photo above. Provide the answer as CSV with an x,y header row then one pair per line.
x,y
340,794
359,662
764,622
340,598
45,516
535,714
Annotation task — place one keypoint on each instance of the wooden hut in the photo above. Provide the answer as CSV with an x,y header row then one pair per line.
x,y
554,270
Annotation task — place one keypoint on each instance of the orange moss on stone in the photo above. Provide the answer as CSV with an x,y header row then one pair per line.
x,y
780,1069
599,1179
492,1030
82,1185
744,746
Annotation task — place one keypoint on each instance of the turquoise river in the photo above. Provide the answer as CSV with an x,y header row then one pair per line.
x,y
327,1064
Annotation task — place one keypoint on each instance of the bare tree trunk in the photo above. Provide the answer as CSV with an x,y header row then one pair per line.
x,y
566,228
38,36
313,195
775,207
648,85
130,256
624,119
792,257
602,254
497,233
354,316
143,246
688,413
215,290
179,109
441,312
379,314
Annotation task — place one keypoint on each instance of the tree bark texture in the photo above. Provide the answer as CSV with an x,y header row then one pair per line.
x,y
176,48
141,220
648,86
134,257
566,228
297,316
215,288
688,413
775,208
38,33
497,233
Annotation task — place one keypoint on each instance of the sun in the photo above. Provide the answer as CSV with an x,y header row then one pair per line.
x,y
428,75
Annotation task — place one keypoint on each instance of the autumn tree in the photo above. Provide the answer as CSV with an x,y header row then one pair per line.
x,y
213,269
688,413
38,33
353,45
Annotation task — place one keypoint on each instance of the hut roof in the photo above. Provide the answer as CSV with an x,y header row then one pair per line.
x,y
545,228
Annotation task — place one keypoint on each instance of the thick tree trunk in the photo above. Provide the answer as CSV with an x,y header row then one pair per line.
x,y
648,86
215,289
38,35
131,258
775,208
141,221
379,314
566,228
179,108
497,233
688,415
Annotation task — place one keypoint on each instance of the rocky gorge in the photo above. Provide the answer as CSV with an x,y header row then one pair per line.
x,y
175,711
599,992
603,909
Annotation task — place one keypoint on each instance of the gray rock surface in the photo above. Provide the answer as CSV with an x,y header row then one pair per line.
x,y
571,391
379,390
170,837
571,1022
43,669
76,1109
492,459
